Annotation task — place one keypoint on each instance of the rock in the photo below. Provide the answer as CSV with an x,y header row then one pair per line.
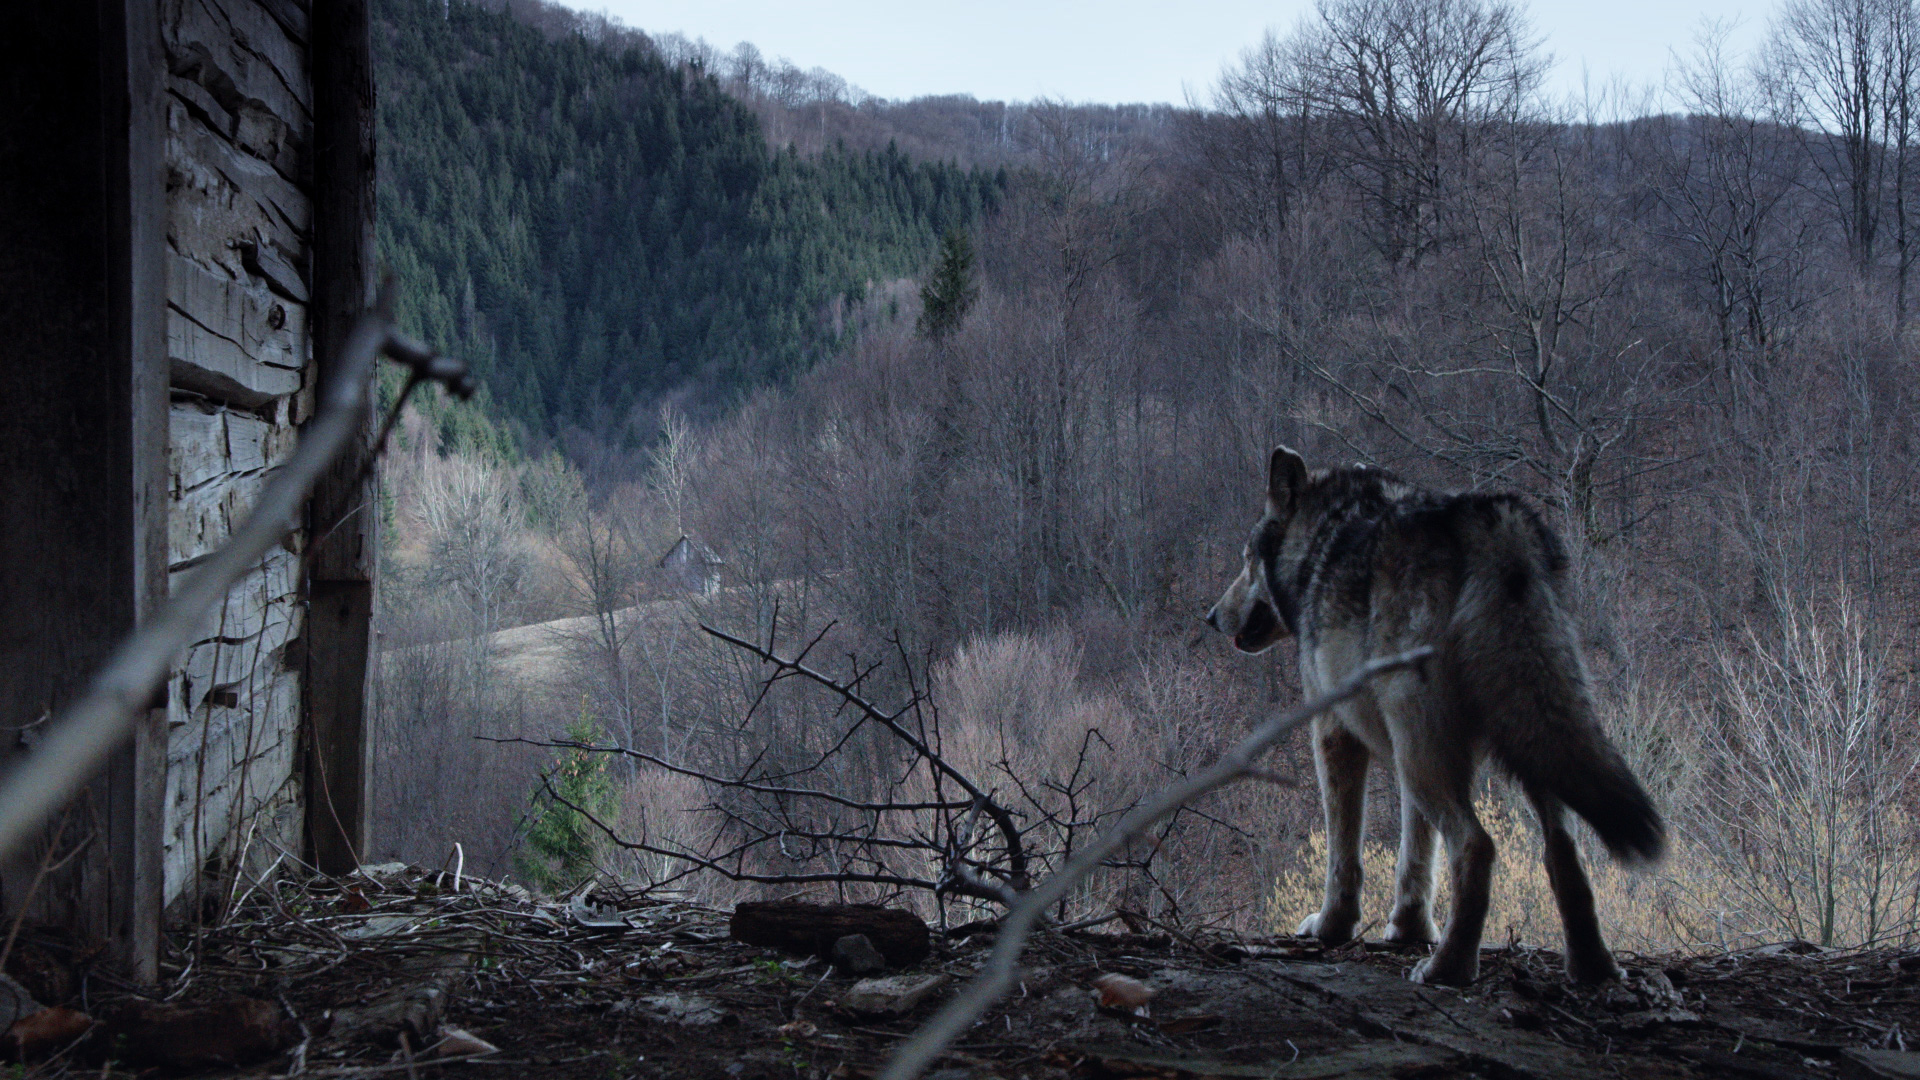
x,y
415,1006
413,1010
895,995
900,936
856,955
382,926
686,1009
1892,1064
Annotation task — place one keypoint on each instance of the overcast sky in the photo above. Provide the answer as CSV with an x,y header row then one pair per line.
x,y
1123,50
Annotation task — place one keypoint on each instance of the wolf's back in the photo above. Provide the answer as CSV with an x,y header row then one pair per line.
x,y
1521,672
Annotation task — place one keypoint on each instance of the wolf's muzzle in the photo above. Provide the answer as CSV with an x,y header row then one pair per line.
x,y
1259,630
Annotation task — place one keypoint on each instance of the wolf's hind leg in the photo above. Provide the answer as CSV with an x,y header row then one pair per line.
x,y
1341,760
1439,779
1413,879
1588,960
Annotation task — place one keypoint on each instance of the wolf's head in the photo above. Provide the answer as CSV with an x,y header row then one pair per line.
x,y
1259,608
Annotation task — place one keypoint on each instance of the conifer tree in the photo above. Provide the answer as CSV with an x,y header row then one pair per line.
x,y
950,289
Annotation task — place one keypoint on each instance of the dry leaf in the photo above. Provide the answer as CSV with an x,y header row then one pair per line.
x,y
1123,993
799,1029
353,901
50,1029
459,1042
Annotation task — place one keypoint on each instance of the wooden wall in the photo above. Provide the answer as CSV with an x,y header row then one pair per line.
x,y
240,222
82,440
188,192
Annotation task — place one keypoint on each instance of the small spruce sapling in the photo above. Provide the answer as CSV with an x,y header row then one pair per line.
x,y
560,839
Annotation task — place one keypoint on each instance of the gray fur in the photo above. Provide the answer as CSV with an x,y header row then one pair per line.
x,y
1356,563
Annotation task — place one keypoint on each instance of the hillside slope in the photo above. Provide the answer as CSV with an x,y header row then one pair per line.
x,y
593,226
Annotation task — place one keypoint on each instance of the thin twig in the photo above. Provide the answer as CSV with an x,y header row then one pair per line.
x,y
927,1044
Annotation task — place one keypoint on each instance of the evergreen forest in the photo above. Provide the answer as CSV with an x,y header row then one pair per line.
x,y
594,227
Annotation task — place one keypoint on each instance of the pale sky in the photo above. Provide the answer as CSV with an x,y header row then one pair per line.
x,y
1125,50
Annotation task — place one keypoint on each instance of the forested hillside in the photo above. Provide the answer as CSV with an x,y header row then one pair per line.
x,y
594,227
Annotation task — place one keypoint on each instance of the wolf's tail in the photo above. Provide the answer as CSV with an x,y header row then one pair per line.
x,y
1529,684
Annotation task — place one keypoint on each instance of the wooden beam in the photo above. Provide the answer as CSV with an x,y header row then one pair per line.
x,y
343,517
132,76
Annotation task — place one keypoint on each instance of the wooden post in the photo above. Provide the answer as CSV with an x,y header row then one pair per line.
x,y
344,514
136,187
83,439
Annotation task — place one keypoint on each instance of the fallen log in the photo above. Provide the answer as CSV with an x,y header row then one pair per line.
x,y
797,926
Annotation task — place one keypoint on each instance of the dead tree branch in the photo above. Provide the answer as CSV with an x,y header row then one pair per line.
x,y
997,977
1018,875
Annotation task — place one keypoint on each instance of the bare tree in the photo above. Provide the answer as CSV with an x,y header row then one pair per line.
x,y
470,515
1263,139
1842,72
1411,87
605,572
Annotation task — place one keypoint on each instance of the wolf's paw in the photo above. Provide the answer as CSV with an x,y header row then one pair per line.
x,y
1442,970
1593,969
1328,929
1410,929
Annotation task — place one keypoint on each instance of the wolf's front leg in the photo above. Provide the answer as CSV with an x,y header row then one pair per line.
x,y
1413,879
1341,761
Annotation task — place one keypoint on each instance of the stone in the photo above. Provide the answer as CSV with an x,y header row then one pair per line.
x,y
1893,1064
688,1010
895,995
856,955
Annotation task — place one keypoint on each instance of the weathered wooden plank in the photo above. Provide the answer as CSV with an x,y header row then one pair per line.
x,y
203,518
276,581
203,105
197,441
223,775
270,328
135,808
268,263
219,196
266,43
253,443
292,16
206,363
242,55
211,444
230,675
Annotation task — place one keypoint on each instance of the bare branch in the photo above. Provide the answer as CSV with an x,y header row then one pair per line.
x,y
996,978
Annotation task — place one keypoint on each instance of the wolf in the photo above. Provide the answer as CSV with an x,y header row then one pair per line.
x,y
1356,563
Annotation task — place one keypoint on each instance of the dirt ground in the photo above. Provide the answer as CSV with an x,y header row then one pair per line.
x,y
398,973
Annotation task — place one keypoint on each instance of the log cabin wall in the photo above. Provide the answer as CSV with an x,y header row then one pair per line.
x,y
183,256
240,220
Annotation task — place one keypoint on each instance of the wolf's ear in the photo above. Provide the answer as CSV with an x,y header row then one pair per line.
x,y
1286,475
